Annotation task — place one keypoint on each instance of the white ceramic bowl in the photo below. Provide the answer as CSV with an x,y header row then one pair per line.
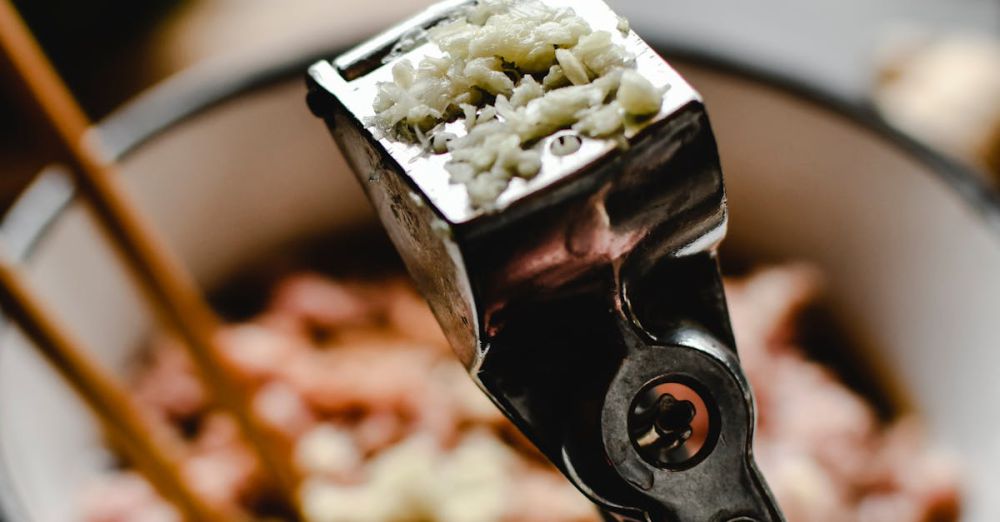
x,y
234,170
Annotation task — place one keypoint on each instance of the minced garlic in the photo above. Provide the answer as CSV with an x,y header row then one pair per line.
x,y
516,71
637,95
470,484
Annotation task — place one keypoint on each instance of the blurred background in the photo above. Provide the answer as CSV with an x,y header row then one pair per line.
x,y
895,257
931,68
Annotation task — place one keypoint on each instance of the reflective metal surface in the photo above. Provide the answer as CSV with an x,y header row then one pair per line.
x,y
588,302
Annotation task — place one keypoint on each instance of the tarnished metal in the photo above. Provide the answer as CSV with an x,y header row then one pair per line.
x,y
583,291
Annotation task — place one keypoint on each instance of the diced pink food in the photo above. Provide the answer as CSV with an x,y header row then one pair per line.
x,y
126,497
378,430
825,453
319,301
255,352
357,381
345,379
222,477
170,382
409,315
280,407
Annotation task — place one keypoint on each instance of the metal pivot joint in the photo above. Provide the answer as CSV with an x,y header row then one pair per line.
x,y
678,417
587,303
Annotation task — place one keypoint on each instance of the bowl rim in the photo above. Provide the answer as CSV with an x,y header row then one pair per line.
x,y
188,93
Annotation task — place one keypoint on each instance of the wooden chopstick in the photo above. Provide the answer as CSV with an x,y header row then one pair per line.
x,y
170,288
154,456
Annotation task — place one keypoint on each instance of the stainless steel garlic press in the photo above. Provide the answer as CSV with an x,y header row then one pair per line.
x,y
587,302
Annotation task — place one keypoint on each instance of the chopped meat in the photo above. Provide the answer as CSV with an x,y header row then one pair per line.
x,y
383,425
315,301
126,497
170,382
255,353
283,410
824,451
220,467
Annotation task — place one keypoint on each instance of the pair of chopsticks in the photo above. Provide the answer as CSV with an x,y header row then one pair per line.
x,y
166,283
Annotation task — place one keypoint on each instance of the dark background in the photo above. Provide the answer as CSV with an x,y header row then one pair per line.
x,y
90,42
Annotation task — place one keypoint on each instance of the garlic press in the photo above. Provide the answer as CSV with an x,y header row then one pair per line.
x,y
586,302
